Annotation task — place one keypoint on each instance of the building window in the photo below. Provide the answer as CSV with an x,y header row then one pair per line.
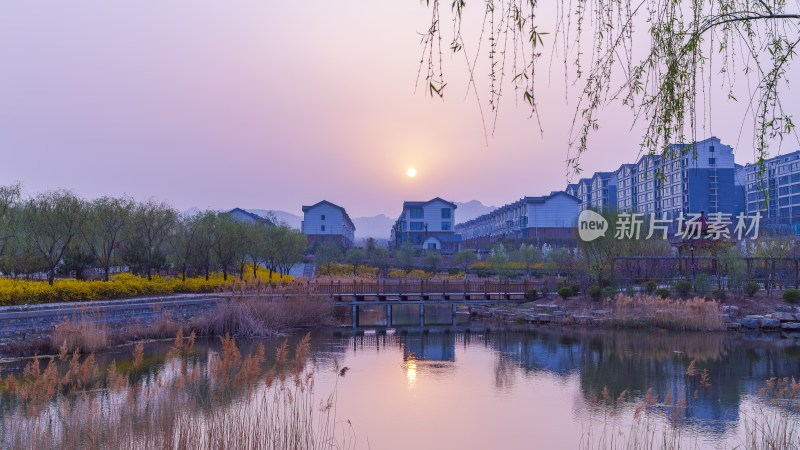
x,y
323,217
431,246
416,213
711,148
446,213
323,227
445,226
712,161
417,226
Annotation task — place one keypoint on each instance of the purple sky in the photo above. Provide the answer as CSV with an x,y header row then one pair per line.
x,y
270,105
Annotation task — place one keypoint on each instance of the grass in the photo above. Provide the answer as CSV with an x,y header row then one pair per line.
x,y
228,401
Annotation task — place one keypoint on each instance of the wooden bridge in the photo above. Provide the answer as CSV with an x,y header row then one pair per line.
x,y
389,293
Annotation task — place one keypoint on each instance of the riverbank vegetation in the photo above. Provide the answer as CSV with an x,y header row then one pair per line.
x,y
126,285
226,401
58,235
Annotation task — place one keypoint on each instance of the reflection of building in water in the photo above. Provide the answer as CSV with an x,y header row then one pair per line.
x,y
637,362
430,347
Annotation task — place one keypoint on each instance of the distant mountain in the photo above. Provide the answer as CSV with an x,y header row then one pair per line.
x,y
378,227
470,210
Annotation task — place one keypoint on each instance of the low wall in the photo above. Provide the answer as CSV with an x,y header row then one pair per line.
x,y
30,322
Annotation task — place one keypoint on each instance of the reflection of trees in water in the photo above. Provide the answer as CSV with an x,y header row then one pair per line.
x,y
638,361
504,373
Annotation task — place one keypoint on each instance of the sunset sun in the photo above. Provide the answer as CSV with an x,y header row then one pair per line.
x,y
411,172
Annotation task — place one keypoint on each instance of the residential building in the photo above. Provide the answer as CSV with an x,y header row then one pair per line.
x,y
537,220
603,191
688,178
246,216
420,220
445,243
572,189
584,190
324,220
780,181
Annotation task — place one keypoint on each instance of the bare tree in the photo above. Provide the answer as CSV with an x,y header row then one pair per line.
x,y
106,219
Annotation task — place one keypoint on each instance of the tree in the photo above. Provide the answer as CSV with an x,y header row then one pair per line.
x,y
182,242
203,247
465,259
227,241
106,219
694,46
52,220
150,225
9,212
327,253
498,259
404,256
380,257
528,255
356,257
289,246
432,260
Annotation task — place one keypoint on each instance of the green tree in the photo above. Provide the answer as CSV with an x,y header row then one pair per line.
x,y
528,255
52,221
106,219
227,241
432,260
356,257
498,259
289,247
404,256
465,259
327,253
149,227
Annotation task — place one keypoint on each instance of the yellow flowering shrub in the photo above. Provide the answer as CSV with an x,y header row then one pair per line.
x,y
124,285
343,270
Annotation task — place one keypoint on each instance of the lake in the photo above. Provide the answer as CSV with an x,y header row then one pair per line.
x,y
531,388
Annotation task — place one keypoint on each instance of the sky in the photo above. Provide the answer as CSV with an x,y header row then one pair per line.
x,y
274,105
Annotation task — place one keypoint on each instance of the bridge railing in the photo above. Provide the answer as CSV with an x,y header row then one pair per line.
x,y
423,287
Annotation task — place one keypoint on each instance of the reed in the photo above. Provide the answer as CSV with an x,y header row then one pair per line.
x,y
229,402
694,314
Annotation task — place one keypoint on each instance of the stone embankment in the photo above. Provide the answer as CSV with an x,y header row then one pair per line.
x,y
28,322
785,320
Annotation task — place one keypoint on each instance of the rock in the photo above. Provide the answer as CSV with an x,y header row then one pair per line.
x,y
783,316
601,312
583,319
770,323
560,313
544,318
733,325
790,326
730,310
599,322
784,308
751,322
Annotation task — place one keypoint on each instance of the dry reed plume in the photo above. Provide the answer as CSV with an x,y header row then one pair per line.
x,y
695,314
230,402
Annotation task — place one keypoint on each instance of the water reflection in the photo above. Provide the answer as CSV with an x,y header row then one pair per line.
x,y
505,385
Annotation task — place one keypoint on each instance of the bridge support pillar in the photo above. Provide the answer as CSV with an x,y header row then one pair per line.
x,y
388,315
422,315
355,316
453,315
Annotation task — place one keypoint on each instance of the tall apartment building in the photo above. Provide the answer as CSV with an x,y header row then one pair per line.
x,y
690,178
781,183
584,191
604,190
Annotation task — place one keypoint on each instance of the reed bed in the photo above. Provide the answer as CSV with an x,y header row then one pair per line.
x,y
695,314
229,402
771,421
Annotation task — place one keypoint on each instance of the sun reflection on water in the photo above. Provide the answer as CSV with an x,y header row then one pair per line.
x,y
411,372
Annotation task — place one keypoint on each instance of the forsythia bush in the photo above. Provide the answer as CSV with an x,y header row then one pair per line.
x,y
125,285
343,270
